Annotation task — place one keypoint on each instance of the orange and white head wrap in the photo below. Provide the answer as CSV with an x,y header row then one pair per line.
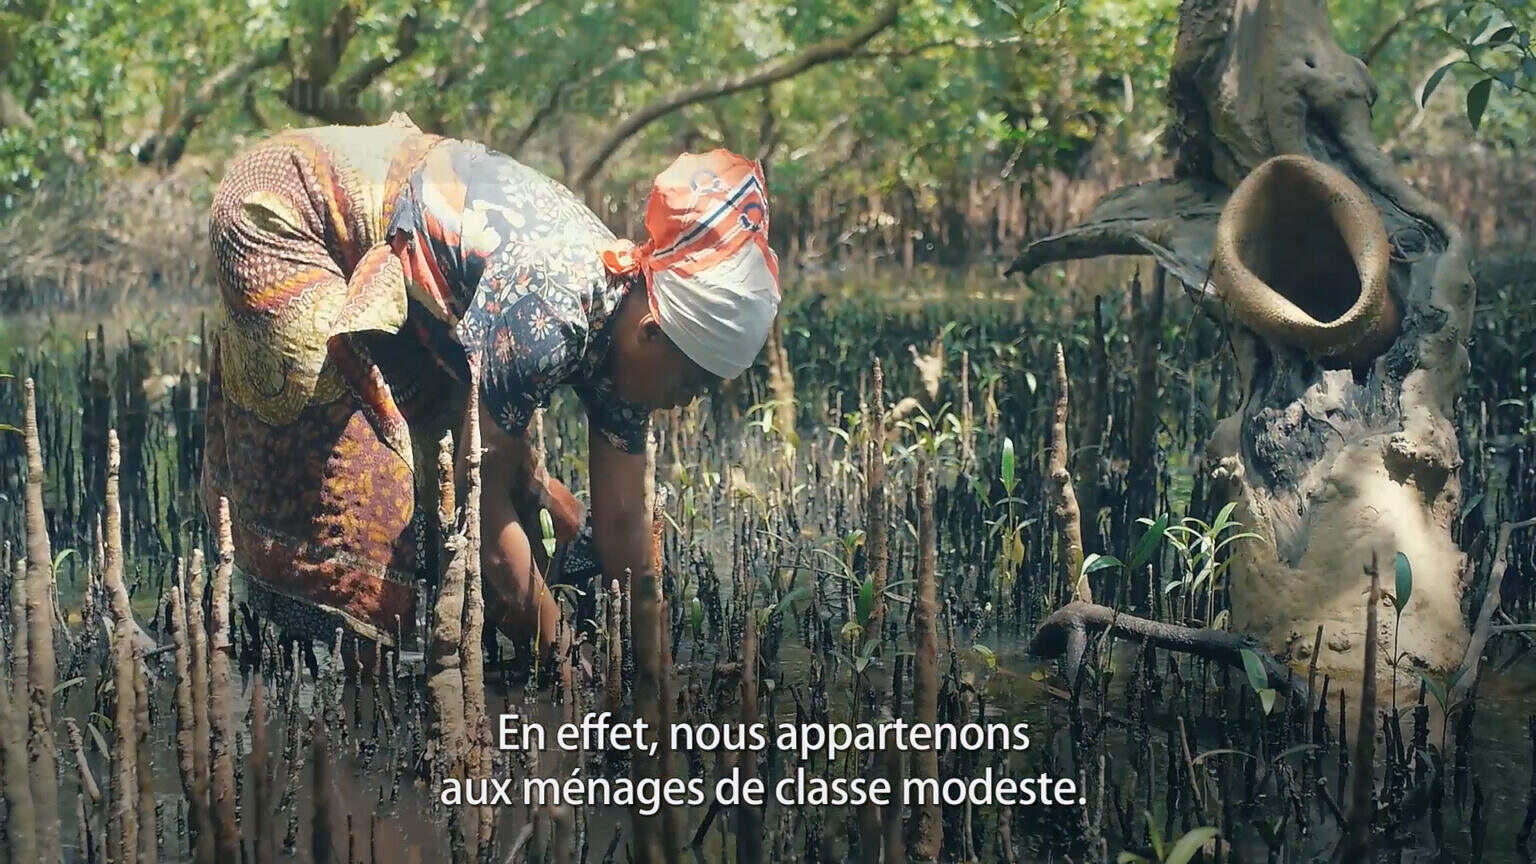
x,y
712,281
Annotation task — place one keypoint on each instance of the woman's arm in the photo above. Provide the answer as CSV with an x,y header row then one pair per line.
x,y
517,600
621,520
520,471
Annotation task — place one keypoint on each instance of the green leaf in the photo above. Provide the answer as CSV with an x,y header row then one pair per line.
x,y
6,427
866,654
865,607
1223,519
1246,535
1222,752
1258,679
59,559
568,593
987,655
1009,478
1155,833
1016,548
1435,688
547,525
1477,102
1456,677
96,736
1433,82
1404,583
1292,751
1183,851
1147,545
1267,699
1096,562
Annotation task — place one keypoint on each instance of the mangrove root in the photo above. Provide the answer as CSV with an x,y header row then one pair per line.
x,y
1067,631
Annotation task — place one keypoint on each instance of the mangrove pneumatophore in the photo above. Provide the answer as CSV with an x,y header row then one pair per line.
x,y
1347,296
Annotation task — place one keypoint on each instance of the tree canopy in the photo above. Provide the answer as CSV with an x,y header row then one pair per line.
x,y
908,94
917,95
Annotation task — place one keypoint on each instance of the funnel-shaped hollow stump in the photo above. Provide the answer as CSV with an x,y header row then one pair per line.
x,y
1301,258
1347,296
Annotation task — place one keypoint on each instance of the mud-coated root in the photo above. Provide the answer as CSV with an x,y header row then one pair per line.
x,y
21,817
42,752
1066,633
654,843
749,819
874,509
1059,491
324,828
123,824
928,820
202,725
189,763
445,676
476,724
221,698
613,676
148,820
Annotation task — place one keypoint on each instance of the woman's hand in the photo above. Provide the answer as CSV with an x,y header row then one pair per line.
x,y
518,602
567,513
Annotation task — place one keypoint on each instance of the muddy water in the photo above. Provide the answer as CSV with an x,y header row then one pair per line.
x,y
400,823
406,828
1502,754
410,829
391,823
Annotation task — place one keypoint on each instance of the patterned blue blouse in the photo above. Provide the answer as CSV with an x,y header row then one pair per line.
x,y
510,259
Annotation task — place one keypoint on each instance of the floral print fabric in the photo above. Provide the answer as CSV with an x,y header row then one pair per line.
x,y
506,262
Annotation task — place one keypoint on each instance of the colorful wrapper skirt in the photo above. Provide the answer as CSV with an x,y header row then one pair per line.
x,y
323,415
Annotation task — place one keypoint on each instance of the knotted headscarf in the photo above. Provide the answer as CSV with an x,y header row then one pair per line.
x,y
712,281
